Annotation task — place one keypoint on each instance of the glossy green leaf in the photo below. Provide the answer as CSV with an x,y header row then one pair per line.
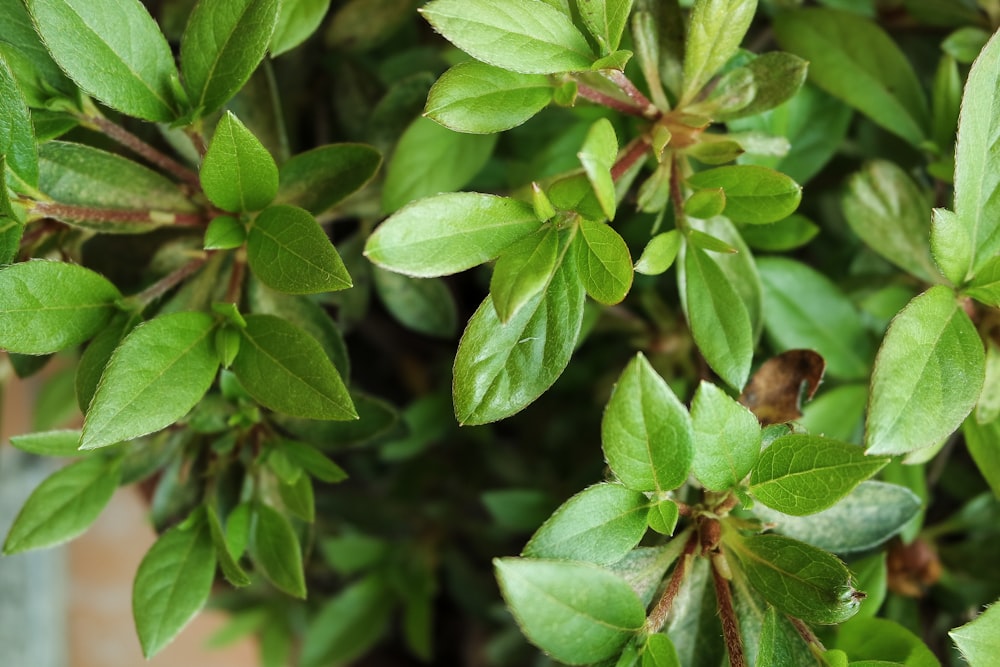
x,y
646,431
979,639
754,195
38,76
430,159
155,376
17,135
598,525
297,20
225,233
804,474
603,262
64,505
274,550
238,174
928,375
714,34
481,99
853,59
798,579
866,517
348,624
285,369
660,253
518,35
597,155
705,203
288,251
523,270
96,355
172,584
50,306
883,641
65,442
229,565
449,233
890,213
221,47
605,20
983,441
502,367
717,316
578,613
726,438
790,233
114,51
739,267
424,305
662,517
319,179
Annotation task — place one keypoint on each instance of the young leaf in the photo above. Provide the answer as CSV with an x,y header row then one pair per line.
x,y
978,639
221,47
598,157
17,136
348,624
798,579
483,99
286,370
449,233
985,287
502,367
229,564
49,443
321,178
424,305
225,233
519,35
606,19
603,262
114,51
578,613
717,316
288,251
64,505
793,232
853,59
238,174
726,439
777,77
430,159
754,195
659,652
297,20
646,432
172,584
50,306
523,270
274,549
598,525
157,374
660,253
804,474
717,27
928,375
313,461
662,517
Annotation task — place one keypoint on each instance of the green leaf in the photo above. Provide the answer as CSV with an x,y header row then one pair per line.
x,y
793,232
578,613
777,77
646,432
779,643
297,20
482,99
606,19
985,287
662,517
754,195
978,639
603,262
882,641
739,267
50,306
988,406
965,44
798,579
299,498
288,251
865,518
114,51
221,47
705,203
449,233
714,34
274,550
803,474
853,59
597,155
11,224
977,178
502,367
172,584
348,624
321,178
519,35
95,357
598,525
424,305
312,461
928,375
17,135
659,652
238,174
64,505
889,212
157,374
229,565
717,316
49,443
430,159
726,439
825,321
660,253
225,233
983,441
38,76
837,413
285,369
523,271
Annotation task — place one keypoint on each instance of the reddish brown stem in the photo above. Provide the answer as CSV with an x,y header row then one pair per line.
x,y
658,617
596,96
634,152
70,212
806,633
141,148
235,287
649,109
676,194
169,281
730,623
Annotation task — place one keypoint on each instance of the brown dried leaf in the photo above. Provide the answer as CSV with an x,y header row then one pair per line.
x,y
776,390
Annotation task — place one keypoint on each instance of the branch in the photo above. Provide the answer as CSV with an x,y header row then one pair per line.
x,y
649,110
658,617
730,623
72,212
634,152
168,282
139,147
596,96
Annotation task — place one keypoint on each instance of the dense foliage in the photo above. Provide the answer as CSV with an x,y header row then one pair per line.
x,y
680,222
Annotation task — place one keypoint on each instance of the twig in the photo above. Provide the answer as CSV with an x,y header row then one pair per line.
x,y
168,282
635,151
658,617
730,623
649,110
596,96
97,214
141,148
